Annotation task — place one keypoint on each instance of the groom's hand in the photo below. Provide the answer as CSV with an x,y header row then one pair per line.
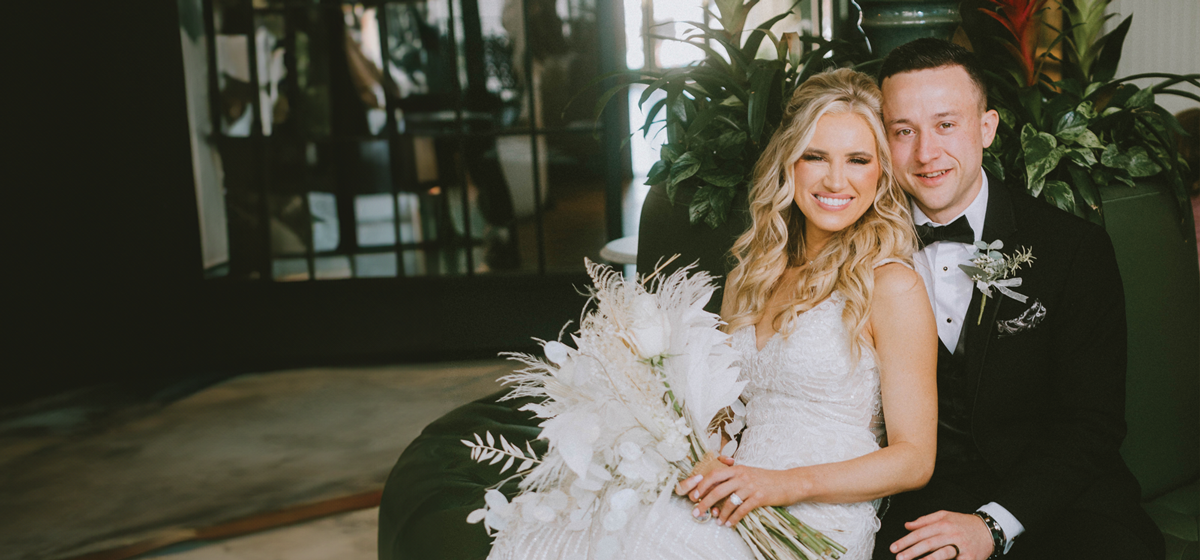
x,y
934,534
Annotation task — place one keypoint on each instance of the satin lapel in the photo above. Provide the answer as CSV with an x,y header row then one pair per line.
x,y
998,223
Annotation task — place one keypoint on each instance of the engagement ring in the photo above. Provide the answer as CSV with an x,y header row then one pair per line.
x,y
735,500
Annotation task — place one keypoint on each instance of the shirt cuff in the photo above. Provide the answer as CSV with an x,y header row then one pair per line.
x,y
1012,528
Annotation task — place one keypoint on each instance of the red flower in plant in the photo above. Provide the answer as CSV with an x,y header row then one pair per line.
x,y
1018,17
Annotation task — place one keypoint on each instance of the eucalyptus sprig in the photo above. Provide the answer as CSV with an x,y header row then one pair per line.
x,y
481,452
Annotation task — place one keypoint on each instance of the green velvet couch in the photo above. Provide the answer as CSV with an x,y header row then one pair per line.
x,y
1157,258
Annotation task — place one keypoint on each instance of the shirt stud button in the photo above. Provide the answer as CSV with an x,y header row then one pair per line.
x,y
948,319
945,268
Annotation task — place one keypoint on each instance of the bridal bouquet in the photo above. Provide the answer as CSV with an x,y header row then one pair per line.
x,y
628,412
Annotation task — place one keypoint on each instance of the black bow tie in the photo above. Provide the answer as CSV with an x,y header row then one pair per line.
x,y
958,231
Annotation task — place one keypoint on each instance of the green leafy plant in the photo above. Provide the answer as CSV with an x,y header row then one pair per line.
x,y
1062,139
719,113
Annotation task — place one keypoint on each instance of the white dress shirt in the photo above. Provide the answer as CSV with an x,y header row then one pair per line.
x,y
949,291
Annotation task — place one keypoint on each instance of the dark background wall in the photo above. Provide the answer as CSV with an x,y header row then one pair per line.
x,y
106,282
107,265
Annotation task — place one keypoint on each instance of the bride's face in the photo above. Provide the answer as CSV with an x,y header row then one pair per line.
x,y
836,176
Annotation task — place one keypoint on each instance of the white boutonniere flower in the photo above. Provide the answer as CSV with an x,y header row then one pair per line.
x,y
989,268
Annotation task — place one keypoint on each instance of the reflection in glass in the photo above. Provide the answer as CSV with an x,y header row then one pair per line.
x,y
233,81
323,207
409,205
311,105
269,49
434,262
364,60
487,170
290,224
332,267
375,214
414,262
418,39
289,270
374,265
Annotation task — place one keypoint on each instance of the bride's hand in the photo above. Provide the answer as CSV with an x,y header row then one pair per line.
x,y
684,487
755,487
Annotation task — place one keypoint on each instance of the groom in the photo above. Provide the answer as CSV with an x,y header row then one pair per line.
x,y
1031,394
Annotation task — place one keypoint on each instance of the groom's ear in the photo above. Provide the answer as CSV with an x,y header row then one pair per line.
x,y
987,126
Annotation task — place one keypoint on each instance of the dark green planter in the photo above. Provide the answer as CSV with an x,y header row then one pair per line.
x,y
891,23
1162,400
665,230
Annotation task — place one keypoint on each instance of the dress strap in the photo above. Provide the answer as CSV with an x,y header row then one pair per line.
x,y
888,261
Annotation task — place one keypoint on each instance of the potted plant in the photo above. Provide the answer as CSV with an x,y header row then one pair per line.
x,y
1064,138
1102,149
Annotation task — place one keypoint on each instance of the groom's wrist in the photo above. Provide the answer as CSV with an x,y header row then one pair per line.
x,y
997,532
1009,524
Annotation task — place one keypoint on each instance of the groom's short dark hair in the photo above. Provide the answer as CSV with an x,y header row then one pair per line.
x,y
927,53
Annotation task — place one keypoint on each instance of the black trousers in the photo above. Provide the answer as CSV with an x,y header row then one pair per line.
x,y
1075,534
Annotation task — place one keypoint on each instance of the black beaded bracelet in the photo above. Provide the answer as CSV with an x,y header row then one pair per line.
x,y
997,534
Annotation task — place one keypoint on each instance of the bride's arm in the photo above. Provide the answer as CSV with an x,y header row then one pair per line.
x,y
905,338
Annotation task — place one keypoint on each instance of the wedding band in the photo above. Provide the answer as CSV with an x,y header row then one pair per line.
x,y
735,500
703,518
956,550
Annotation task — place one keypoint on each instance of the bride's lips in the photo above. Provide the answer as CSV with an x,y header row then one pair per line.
x,y
832,202
932,178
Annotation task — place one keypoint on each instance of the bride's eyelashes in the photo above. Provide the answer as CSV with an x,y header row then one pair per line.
x,y
819,156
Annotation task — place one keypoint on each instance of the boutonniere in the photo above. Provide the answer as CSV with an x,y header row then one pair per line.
x,y
989,268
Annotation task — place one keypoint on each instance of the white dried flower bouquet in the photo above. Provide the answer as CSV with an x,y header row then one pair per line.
x,y
627,414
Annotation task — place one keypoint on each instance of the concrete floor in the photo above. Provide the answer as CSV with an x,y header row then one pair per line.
x,y
349,536
250,444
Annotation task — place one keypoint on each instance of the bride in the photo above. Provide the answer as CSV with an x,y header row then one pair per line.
x,y
834,330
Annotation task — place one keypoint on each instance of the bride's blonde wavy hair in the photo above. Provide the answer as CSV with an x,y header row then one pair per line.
x,y
775,239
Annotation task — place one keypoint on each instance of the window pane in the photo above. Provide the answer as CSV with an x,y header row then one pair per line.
x,y
375,216
422,62
375,265
289,270
233,82
364,61
268,36
334,267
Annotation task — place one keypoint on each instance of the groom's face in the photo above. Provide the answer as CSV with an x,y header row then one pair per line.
x,y
937,129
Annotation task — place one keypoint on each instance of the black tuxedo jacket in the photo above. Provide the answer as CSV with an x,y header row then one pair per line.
x,y
1048,413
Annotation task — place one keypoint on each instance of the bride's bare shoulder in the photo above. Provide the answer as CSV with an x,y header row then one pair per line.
x,y
898,279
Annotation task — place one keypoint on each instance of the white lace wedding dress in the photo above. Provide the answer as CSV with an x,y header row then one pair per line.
x,y
807,403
